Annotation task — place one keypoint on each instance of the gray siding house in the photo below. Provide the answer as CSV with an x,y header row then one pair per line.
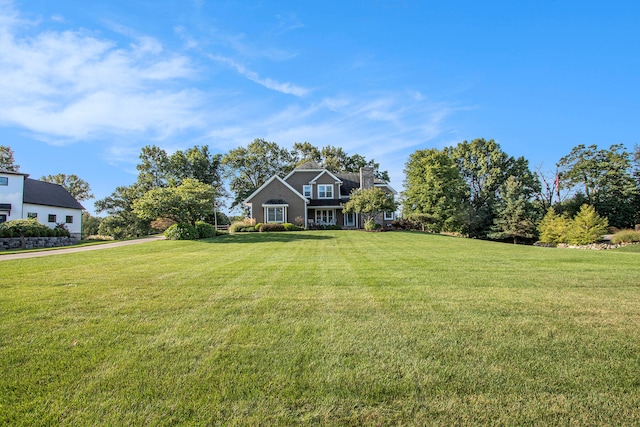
x,y
312,196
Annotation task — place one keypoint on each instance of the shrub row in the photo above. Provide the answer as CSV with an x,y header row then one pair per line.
x,y
31,228
248,226
201,230
585,228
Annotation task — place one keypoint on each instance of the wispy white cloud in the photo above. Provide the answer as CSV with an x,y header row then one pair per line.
x,y
286,87
74,85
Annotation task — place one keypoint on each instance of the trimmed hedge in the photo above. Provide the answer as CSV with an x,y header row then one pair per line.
x,y
31,228
271,227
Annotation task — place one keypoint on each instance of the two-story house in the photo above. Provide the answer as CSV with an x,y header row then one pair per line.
x,y
312,195
51,204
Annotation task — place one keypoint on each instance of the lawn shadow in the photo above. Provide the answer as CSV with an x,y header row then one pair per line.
x,y
267,237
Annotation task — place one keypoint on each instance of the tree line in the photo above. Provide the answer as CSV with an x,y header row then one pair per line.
x,y
474,188
478,190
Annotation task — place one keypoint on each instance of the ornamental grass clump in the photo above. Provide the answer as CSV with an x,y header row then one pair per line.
x,y
626,236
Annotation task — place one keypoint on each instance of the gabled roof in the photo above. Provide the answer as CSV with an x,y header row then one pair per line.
x,y
269,181
327,172
48,194
306,167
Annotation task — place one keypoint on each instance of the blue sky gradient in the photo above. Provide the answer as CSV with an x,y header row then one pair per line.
x,y
85,85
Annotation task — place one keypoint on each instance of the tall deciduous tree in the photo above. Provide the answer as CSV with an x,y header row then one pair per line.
x,y
485,168
77,187
606,178
122,221
185,203
435,188
247,168
7,162
157,169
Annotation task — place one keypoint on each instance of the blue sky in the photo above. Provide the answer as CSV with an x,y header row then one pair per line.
x,y
84,85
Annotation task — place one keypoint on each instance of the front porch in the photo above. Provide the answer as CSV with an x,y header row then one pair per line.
x,y
318,217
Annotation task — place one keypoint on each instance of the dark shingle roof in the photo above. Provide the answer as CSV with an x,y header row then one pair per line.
x,y
309,165
325,202
48,194
276,202
350,180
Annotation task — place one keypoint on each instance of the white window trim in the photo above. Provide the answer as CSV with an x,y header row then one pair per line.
x,y
321,186
304,191
389,217
266,213
318,212
351,224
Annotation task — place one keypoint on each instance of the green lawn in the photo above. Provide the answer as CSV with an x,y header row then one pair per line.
x,y
327,328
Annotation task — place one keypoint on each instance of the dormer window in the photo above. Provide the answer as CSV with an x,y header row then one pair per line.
x,y
325,191
306,191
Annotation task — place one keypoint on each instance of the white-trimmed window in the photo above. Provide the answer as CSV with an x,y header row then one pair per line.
x,y
325,191
306,191
275,213
389,215
325,216
350,219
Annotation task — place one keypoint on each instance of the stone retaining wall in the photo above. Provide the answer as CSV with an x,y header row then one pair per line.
x,y
36,242
593,246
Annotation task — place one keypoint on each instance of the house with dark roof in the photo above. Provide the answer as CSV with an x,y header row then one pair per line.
x,y
313,196
51,204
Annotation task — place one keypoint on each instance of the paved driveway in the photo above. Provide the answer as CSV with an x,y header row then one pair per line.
x,y
70,250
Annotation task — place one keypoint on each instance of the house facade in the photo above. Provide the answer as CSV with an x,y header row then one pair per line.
x,y
22,197
312,196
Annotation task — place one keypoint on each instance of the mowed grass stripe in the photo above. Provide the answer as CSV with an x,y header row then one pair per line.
x,y
331,328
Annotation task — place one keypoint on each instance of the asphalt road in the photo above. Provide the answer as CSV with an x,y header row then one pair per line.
x,y
70,250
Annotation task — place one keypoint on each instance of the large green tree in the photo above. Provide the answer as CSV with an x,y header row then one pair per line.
x,y
370,202
77,187
434,187
185,203
247,168
122,221
156,170
485,169
606,178
7,162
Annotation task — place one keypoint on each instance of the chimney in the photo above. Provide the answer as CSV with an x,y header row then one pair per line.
x,y
366,177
